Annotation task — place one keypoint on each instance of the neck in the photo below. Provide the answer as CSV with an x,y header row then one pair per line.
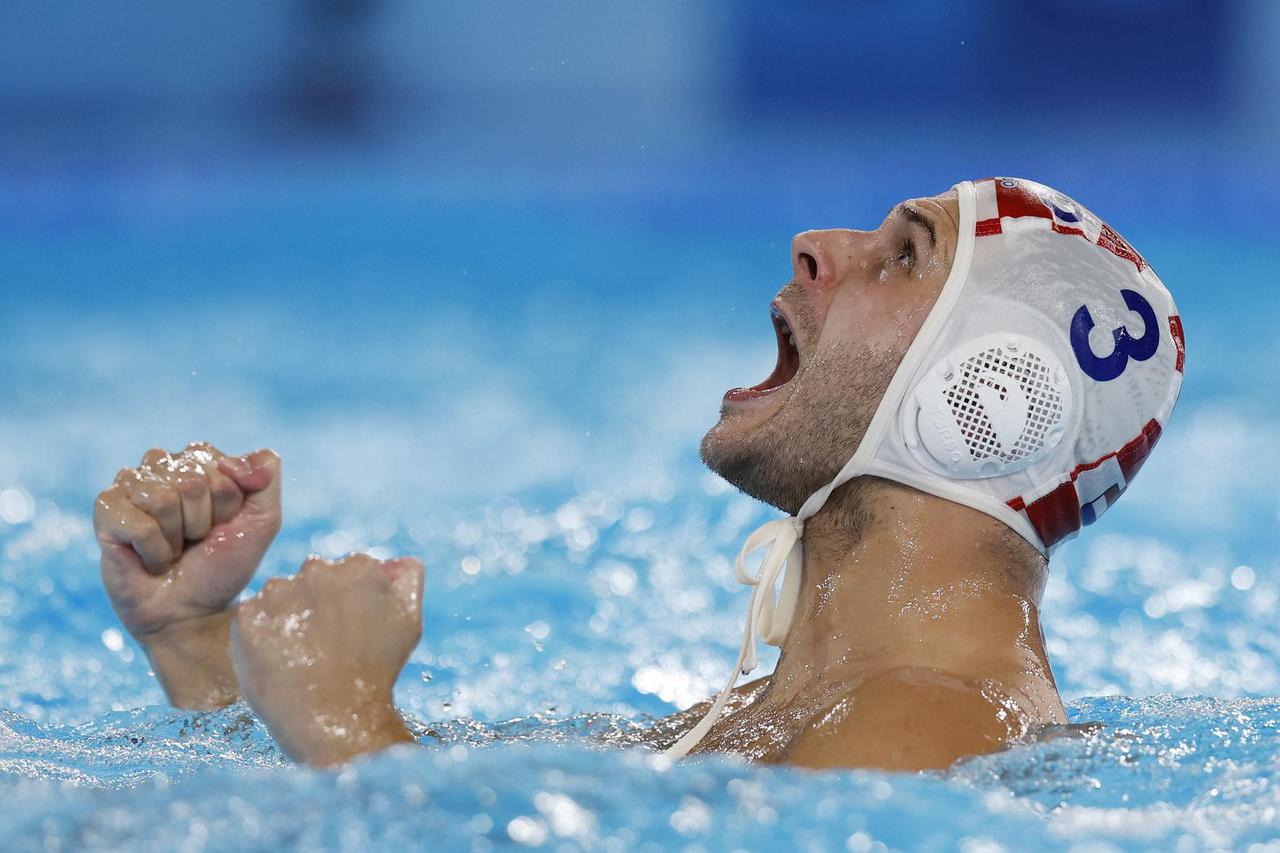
x,y
894,577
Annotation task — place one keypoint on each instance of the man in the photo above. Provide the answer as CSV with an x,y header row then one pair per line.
x,y
956,393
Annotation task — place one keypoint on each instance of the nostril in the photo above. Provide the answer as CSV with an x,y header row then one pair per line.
x,y
810,264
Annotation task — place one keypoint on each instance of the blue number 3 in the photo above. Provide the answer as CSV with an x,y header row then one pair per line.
x,y
1106,368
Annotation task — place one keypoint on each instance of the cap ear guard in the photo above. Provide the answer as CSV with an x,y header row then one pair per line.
x,y
990,407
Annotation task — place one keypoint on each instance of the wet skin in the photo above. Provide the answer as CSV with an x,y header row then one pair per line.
x,y
916,640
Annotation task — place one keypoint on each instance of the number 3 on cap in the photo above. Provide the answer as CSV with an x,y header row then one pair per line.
x,y
1108,367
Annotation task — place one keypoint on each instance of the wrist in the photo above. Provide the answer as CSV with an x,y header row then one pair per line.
x,y
334,734
191,661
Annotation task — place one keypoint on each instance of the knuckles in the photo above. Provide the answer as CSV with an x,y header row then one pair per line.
x,y
315,565
351,566
162,500
358,562
337,592
203,447
110,499
273,587
189,483
223,487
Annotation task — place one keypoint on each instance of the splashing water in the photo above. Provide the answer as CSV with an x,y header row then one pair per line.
x,y
1163,773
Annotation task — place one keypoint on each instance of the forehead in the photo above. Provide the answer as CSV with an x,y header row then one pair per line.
x,y
948,200
942,209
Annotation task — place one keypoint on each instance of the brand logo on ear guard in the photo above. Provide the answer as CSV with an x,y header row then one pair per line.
x,y
991,407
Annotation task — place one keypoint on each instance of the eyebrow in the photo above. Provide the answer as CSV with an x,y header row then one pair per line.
x,y
913,215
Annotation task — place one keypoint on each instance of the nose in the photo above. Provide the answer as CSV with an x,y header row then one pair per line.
x,y
818,258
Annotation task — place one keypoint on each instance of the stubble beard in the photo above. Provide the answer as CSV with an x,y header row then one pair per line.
x,y
803,446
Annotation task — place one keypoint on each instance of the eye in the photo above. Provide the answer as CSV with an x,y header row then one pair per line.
x,y
906,253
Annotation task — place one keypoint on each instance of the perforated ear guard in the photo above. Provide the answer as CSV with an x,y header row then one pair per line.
x,y
990,407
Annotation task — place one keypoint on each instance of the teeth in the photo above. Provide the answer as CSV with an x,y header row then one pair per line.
x,y
786,327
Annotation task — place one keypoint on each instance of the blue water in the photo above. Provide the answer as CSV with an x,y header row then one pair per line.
x,y
511,385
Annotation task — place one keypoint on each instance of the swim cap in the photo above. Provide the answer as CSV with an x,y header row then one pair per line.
x,y
1034,390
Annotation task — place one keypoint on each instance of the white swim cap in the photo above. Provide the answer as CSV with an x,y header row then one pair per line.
x,y
1034,390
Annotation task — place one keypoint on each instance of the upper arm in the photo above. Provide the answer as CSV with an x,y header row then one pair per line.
x,y
908,718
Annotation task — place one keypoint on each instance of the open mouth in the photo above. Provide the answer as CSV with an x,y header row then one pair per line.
x,y
785,369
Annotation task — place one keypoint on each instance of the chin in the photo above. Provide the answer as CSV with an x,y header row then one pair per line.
x,y
713,448
733,440
728,450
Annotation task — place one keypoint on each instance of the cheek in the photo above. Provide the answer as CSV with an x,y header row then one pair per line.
x,y
909,317
880,322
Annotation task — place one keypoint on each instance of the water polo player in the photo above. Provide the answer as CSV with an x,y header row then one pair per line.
x,y
956,393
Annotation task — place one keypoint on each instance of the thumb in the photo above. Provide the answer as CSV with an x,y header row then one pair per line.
x,y
258,476
127,581
120,563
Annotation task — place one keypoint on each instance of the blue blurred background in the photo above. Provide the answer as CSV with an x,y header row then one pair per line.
x,y
447,255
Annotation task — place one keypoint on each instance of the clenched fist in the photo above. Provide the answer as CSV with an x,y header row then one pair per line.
x,y
181,535
317,654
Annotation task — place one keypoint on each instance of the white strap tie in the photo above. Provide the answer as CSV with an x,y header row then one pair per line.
x,y
767,617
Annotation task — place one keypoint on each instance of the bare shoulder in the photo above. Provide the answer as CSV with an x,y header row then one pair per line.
x,y
910,718
668,730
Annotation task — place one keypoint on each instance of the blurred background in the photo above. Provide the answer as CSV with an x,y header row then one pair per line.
x,y
481,271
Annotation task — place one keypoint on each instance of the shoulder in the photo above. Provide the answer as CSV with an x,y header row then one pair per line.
x,y
909,718
668,730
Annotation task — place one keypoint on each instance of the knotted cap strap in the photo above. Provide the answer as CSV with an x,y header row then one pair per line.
x,y
766,615
768,618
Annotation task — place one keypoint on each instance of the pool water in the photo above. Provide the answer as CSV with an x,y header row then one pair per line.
x,y
1164,774
522,411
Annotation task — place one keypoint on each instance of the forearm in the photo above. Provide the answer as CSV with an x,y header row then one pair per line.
x,y
192,664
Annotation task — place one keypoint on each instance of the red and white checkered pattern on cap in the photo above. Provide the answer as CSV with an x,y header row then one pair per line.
x,y
1007,207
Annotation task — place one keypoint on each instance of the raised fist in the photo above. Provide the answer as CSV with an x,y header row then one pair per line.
x,y
181,535
317,654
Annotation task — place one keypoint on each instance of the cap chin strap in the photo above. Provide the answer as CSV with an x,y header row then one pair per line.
x,y
768,616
